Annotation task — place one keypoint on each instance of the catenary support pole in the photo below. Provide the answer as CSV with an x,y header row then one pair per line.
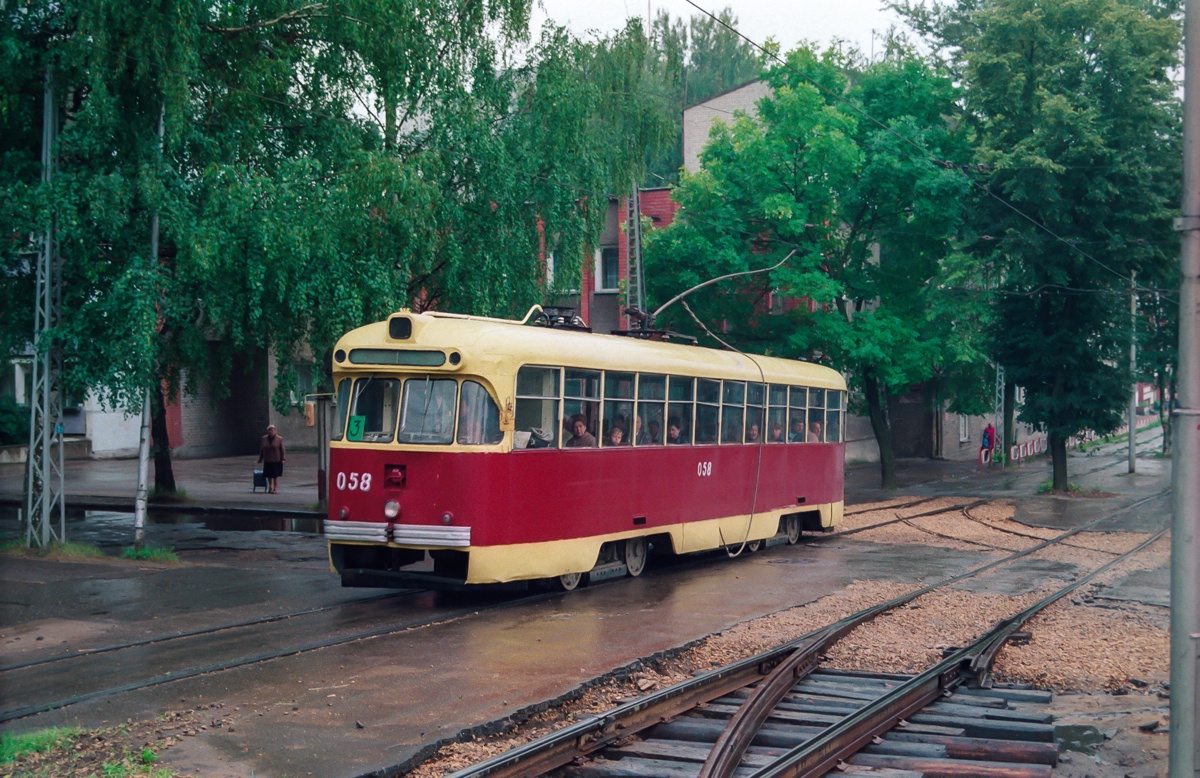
x,y
139,502
1133,373
44,463
1185,474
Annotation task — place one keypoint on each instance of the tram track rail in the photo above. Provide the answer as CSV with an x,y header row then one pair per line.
x,y
104,667
160,639
77,665
777,671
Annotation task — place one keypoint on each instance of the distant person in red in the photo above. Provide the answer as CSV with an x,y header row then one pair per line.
x,y
988,444
272,456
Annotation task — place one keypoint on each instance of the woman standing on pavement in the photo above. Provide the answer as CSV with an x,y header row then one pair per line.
x,y
272,456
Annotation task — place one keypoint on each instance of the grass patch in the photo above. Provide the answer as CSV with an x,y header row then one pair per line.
x,y
1072,490
150,554
165,498
40,742
61,551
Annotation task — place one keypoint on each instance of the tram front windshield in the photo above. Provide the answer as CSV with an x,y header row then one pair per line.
x,y
421,410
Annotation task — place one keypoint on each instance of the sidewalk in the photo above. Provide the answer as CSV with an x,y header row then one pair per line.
x,y
221,484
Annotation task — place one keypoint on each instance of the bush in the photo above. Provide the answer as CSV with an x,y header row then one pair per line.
x,y
14,422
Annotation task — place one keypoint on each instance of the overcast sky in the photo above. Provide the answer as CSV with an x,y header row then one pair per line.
x,y
788,21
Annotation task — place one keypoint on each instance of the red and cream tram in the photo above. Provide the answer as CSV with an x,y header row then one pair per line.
x,y
471,450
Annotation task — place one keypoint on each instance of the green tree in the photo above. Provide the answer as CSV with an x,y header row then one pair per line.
x,y
859,182
688,63
1076,121
322,165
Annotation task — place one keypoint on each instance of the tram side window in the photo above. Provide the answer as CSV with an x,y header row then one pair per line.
x,y
816,415
478,416
777,414
536,419
427,411
733,398
797,424
833,417
708,410
651,408
756,398
581,398
373,412
341,409
679,410
618,408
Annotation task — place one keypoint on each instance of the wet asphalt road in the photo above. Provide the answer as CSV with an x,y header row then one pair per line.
x,y
446,662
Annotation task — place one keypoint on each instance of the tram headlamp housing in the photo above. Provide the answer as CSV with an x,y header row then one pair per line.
x,y
391,509
447,517
344,512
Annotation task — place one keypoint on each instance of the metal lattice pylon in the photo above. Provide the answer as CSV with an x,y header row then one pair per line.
x,y
44,464
999,404
633,234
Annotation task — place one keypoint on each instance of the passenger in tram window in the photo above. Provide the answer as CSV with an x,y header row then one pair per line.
x,y
655,432
640,435
675,432
797,433
580,437
776,432
814,432
752,433
616,436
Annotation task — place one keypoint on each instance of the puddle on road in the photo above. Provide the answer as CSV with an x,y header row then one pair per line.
x,y
1082,738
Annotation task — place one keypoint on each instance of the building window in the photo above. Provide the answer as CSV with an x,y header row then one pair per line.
x,y
607,269
964,428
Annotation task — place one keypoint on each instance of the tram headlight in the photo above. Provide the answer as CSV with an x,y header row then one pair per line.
x,y
391,509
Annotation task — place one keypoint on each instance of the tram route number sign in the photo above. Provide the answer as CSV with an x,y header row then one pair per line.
x,y
355,430
704,469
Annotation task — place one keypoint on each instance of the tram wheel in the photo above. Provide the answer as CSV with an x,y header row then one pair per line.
x,y
635,556
569,581
753,546
792,527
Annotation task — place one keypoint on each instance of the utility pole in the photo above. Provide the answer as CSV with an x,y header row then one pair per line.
x,y
139,503
1185,471
633,235
44,462
1133,373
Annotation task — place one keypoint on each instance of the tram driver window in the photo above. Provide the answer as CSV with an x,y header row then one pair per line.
x,y
341,408
478,416
427,413
537,424
373,411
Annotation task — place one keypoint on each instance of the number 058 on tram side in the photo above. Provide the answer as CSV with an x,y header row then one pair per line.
x,y
471,451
